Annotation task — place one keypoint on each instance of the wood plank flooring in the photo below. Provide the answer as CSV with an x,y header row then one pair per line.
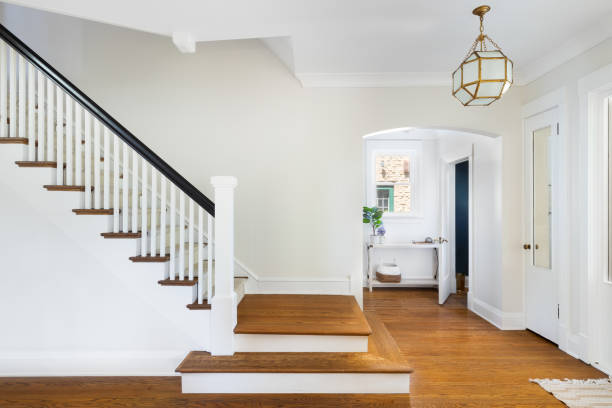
x,y
301,314
459,360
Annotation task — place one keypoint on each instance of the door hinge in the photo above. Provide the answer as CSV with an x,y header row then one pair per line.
x,y
557,128
557,311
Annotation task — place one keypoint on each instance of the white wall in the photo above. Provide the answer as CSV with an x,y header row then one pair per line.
x,y
232,108
574,310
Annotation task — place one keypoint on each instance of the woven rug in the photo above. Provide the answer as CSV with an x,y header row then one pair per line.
x,y
580,393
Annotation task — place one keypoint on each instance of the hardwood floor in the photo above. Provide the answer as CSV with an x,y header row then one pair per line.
x,y
301,314
459,360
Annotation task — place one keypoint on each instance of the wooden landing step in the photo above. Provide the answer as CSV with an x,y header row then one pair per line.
x,y
323,315
300,372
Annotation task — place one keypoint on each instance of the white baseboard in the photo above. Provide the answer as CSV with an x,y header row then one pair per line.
x,y
273,343
90,363
502,320
295,383
303,286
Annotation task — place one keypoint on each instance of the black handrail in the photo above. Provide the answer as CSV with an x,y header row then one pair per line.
x,y
111,123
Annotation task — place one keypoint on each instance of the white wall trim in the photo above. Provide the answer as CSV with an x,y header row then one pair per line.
x,y
301,285
499,319
374,79
90,363
578,44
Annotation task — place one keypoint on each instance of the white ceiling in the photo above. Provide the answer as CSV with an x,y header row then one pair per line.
x,y
347,42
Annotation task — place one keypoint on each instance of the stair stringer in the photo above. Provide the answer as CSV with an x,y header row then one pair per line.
x,y
186,330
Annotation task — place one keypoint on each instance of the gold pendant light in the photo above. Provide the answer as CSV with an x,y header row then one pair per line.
x,y
485,74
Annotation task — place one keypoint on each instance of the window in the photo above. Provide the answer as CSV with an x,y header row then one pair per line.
x,y
384,198
393,183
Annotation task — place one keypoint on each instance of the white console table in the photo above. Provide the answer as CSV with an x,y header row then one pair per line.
x,y
373,282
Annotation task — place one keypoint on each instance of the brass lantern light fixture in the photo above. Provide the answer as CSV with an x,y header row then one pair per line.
x,y
486,73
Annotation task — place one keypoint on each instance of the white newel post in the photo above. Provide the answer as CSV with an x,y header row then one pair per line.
x,y
223,311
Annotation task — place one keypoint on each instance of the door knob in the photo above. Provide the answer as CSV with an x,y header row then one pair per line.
x,y
527,246
537,246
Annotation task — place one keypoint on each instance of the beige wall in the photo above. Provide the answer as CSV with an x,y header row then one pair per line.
x,y
234,109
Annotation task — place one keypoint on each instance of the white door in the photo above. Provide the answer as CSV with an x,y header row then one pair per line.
x,y
444,275
541,306
602,302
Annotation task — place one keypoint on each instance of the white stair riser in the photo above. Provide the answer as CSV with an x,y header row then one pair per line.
x,y
283,343
295,383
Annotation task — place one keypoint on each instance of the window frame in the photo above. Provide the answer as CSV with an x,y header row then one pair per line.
x,y
411,148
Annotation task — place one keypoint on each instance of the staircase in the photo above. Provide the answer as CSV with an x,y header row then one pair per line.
x,y
255,343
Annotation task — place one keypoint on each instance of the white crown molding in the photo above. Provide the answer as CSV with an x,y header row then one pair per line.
x,y
578,44
374,79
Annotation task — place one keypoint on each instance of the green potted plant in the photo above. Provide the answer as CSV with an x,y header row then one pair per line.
x,y
373,216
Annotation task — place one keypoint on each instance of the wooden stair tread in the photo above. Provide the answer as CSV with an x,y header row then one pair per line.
x,y
92,211
51,164
301,314
372,362
198,306
150,258
54,187
121,235
14,140
179,282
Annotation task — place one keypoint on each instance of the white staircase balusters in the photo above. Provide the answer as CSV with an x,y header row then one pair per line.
x,y
125,190
162,216
40,118
21,99
31,113
144,209
12,93
201,283
116,185
59,136
210,257
134,203
153,243
107,161
50,98
181,251
78,146
172,231
191,249
97,187
87,123
3,90
58,128
69,142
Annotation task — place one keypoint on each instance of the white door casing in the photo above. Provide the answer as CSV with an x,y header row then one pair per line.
x,y
541,280
444,275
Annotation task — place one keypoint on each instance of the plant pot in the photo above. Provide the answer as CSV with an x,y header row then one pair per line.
x,y
373,239
380,239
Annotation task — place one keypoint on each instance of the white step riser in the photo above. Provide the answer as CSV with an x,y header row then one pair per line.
x,y
273,343
295,383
